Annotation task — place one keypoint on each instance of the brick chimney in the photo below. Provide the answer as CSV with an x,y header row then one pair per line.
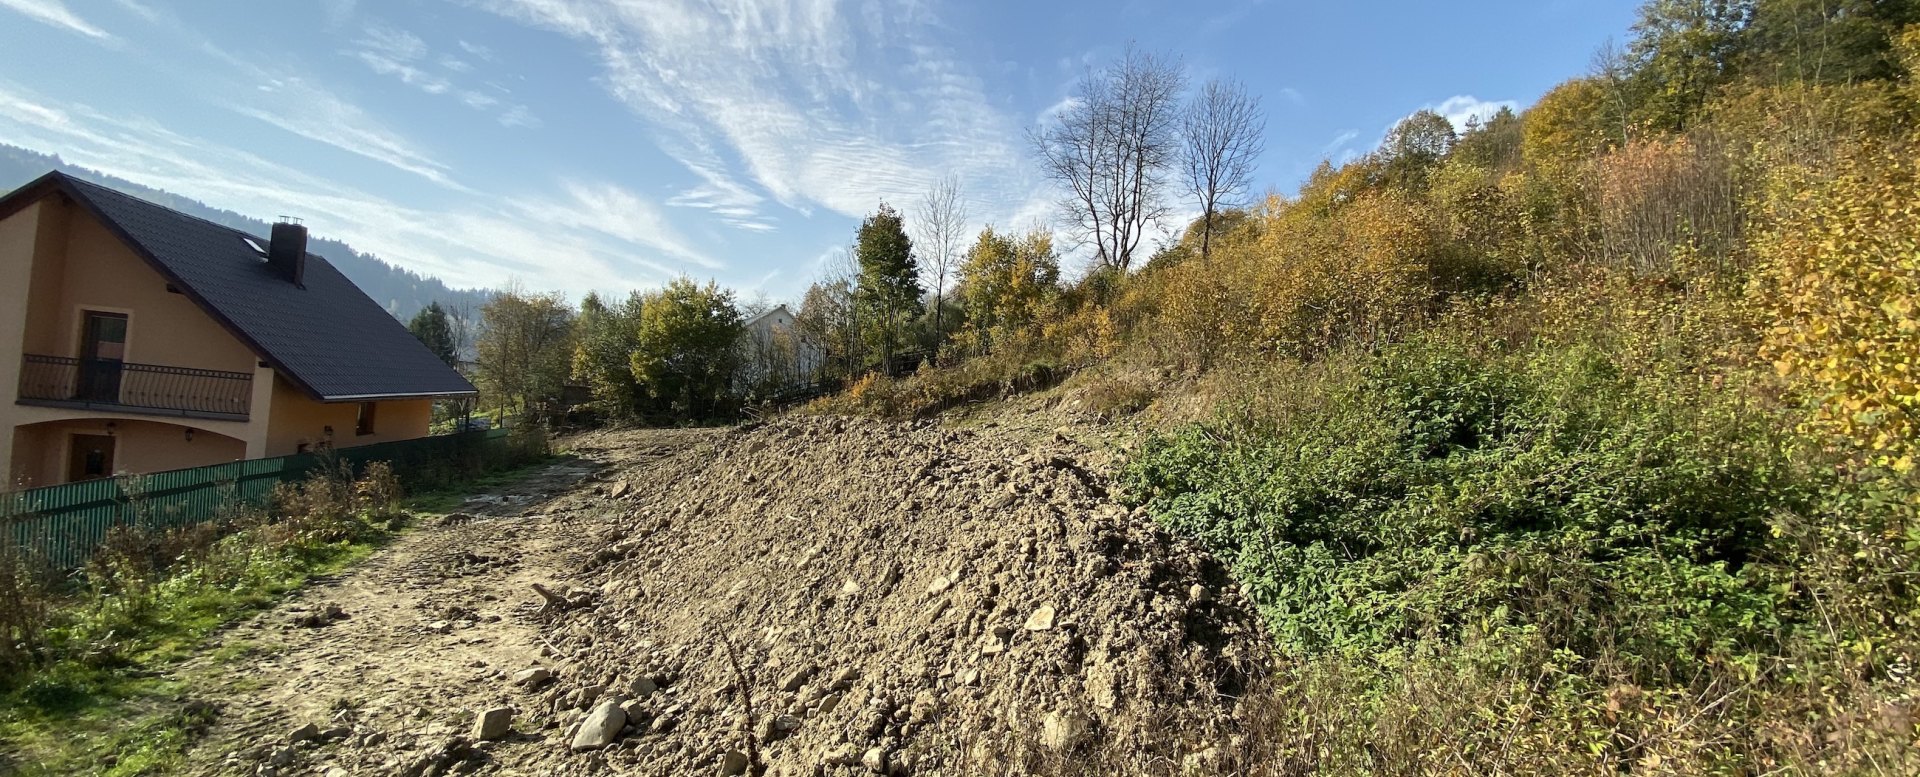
x,y
287,251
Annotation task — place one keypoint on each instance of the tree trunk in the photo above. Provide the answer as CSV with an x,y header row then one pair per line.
x,y
1206,235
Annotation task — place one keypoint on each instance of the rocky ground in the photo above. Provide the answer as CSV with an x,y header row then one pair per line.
x,y
816,596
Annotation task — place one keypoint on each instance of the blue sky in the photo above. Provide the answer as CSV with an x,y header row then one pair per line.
x,y
606,145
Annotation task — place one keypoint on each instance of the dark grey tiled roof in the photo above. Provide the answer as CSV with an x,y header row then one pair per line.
x,y
329,338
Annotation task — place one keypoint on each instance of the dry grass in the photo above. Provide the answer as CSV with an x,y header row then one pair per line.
x,y
25,606
1114,391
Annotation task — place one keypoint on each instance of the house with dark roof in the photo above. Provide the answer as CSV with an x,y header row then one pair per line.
x,y
135,338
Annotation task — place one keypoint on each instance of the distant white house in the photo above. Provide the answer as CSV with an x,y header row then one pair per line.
x,y
775,353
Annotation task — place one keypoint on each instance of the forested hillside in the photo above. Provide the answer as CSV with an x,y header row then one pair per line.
x,y
1579,439
402,291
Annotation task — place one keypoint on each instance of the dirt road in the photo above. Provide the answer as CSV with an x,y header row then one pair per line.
x,y
432,626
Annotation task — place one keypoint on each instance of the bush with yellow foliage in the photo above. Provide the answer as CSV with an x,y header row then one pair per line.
x,y
1839,288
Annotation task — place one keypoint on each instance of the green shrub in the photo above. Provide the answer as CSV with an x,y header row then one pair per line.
x,y
1434,493
1597,552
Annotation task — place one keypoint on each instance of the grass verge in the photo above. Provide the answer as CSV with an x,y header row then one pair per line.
x,y
94,693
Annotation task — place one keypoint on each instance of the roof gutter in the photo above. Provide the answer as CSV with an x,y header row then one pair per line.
x,y
414,395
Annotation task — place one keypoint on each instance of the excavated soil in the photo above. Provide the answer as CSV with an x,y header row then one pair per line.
x,y
816,596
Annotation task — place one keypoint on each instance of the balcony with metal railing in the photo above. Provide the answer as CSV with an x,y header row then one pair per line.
x,y
126,387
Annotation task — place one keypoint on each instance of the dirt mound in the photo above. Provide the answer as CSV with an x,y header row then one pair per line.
x,y
840,596
812,597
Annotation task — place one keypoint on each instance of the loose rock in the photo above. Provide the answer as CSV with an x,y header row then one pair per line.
x,y
875,760
600,728
797,678
493,724
1063,730
1041,619
532,678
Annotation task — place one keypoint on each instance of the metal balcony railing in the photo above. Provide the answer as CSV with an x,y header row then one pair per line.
x,y
107,384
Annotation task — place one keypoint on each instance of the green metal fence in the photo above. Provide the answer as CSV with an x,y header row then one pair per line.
x,y
61,525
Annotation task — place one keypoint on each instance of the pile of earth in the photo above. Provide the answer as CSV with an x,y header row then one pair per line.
x,y
822,596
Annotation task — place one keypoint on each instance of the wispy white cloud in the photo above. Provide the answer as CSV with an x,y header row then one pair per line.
x,y
1052,113
393,43
338,12
147,13
477,50
55,13
403,56
579,236
516,116
617,212
408,74
831,104
311,111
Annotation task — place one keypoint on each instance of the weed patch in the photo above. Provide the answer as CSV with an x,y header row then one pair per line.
x,y
1541,560
81,693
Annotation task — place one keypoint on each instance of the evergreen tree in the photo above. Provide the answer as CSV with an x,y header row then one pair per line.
x,y
433,329
889,288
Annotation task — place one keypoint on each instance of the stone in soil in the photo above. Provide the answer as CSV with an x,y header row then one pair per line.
x,y
600,728
875,760
1041,619
306,733
493,724
796,679
1063,730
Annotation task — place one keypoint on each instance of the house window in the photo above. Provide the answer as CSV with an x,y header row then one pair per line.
x,y
364,426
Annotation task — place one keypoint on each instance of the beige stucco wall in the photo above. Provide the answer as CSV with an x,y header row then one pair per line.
x,y
30,279
28,451
295,420
101,273
41,450
16,281
56,260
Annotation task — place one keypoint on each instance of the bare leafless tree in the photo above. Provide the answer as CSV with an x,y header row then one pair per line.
x,y
1110,150
829,316
941,217
1222,136
1610,68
